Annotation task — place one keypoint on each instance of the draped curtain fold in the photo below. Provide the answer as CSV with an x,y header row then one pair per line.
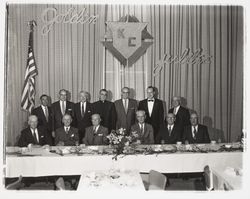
x,y
71,56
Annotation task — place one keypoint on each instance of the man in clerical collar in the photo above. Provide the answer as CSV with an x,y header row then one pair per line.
x,y
145,131
96,134
153,108
169,132
106,110
66,135
195,133
33,135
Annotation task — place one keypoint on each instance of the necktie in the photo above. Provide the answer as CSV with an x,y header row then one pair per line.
x,y
150,100
169,130
195,132
46,113
94,129
35,137
63,107
83,110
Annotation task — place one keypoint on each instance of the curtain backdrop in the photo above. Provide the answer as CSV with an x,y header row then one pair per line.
x,y
71,56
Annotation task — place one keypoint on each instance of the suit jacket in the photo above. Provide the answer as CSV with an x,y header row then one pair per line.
x,y
202,135
182,117
148,135
98,138
57,114
69,139
174,137
38,111
85,121
125,120
157,117
107,112
27,137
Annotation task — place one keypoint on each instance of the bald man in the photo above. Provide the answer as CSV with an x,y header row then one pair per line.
x,y
96,134
33,135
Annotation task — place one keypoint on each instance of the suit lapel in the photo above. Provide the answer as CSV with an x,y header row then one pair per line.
x,y
122,106
146,106
154,107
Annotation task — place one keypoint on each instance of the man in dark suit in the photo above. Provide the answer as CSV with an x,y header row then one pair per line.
x,y
83,112
154,110
96,134
195,133
145,131
182,114
169,132
43,113
106,110
59,109
125,111
33,135
67,135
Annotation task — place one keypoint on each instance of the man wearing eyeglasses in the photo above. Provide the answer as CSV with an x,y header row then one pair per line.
x,y
125,110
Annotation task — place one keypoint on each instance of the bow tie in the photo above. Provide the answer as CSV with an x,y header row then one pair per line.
x,y
150,100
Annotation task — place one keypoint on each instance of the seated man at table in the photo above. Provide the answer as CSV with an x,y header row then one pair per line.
x,y
169,132
195,133
66,135
96,134
33,135
145,131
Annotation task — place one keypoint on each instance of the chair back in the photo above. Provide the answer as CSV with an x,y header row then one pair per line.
x,y
157,181
60,184
15,185
208,178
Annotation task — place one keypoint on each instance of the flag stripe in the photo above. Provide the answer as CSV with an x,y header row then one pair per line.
x,y
28,92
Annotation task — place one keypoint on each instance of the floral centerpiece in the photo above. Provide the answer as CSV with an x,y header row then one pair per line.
x,y
122,142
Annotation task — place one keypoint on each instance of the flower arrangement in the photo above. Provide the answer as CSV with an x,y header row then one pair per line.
x,y
120,141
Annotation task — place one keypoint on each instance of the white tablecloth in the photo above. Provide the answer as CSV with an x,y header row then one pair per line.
x,y
52,164
225,178
111,179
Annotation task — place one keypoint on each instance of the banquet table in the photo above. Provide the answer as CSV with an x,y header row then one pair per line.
x,y
42,162
111,180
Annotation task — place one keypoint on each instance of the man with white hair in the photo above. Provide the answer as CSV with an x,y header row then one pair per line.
x,y
96,134
33,135
144,130
83,112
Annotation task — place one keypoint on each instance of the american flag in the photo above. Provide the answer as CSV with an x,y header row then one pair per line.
x,y
28,92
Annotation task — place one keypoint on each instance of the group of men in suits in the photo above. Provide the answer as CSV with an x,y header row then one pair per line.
x,y
66,123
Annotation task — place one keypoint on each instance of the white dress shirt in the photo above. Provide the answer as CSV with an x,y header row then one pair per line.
x,y
35,133
142,127
196,128
150,106
63,104
125,104
176,110
96,128
66,128
84,107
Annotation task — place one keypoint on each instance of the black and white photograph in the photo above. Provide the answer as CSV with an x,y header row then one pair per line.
x,y
130,97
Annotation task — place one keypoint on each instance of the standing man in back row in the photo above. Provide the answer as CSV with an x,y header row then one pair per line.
x,y
106,110
125,110
59,109
153,108
182,114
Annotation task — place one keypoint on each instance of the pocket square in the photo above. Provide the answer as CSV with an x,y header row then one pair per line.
x,y
100,134
41,136
72,135
89,111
